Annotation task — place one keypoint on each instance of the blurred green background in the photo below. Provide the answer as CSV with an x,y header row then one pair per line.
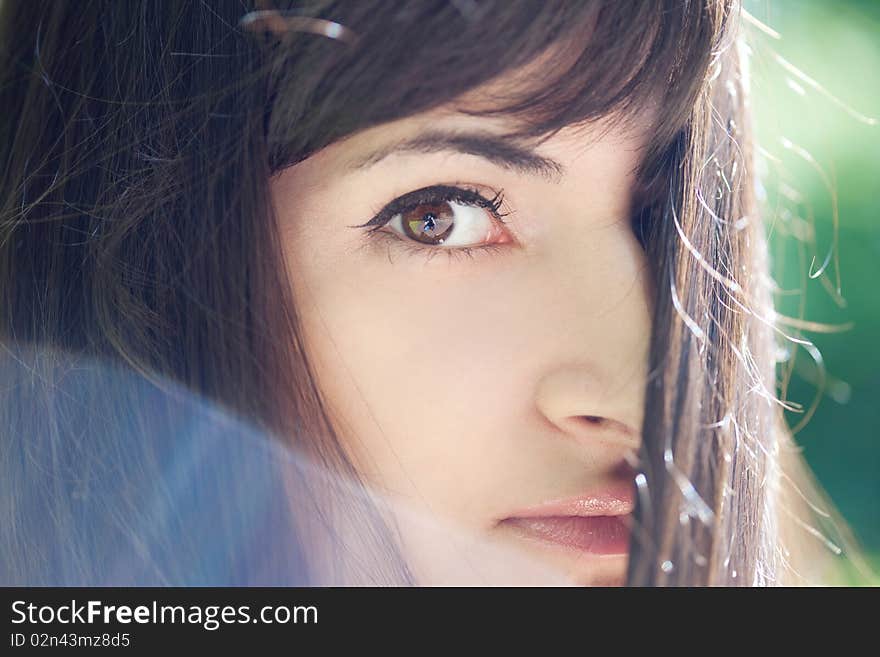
x,y
837,45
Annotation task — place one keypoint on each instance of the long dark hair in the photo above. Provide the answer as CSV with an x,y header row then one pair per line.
x,y
136,147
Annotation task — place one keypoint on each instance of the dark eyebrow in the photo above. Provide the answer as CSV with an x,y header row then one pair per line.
x,y
494,148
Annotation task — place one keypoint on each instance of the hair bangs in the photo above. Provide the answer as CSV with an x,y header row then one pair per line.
x,y
569,63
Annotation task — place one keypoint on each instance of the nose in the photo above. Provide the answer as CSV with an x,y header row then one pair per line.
x,y
591,407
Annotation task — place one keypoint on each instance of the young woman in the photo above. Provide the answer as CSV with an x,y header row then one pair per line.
x,y
375,292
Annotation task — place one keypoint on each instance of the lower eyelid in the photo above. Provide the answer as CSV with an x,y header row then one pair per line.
x,y
411,248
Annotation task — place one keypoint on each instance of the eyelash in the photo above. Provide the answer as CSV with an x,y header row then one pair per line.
x,y
433,195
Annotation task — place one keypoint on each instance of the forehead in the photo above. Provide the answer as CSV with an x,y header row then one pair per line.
x,y
566,146
484,110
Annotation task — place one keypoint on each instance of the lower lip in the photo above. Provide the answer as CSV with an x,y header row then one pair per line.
x,y
600,535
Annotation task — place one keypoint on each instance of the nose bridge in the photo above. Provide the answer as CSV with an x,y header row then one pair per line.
x,y
597,298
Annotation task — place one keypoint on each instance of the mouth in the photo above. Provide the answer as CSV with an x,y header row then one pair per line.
x,y
597,523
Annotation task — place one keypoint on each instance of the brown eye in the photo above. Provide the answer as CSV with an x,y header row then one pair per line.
x,y
443,217
428,223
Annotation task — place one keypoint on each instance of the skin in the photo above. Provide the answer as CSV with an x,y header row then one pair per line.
x,y
461,385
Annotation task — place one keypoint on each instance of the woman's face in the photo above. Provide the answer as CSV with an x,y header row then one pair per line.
x,y
485,371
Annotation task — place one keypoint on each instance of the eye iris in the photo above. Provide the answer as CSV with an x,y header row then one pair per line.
x,y
429,223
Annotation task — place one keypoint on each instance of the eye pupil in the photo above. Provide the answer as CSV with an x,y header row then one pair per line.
x,y
429,223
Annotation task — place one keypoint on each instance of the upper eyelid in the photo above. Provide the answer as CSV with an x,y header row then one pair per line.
x,y
386,212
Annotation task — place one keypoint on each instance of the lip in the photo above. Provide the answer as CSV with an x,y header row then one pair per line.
x,y
596,523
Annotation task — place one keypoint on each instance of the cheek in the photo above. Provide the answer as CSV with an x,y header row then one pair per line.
x,y
431,369
421,368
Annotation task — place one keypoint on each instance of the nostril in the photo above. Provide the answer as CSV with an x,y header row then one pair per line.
x,y
602,428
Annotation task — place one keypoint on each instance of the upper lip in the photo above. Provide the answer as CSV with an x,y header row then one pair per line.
x,y
614,500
